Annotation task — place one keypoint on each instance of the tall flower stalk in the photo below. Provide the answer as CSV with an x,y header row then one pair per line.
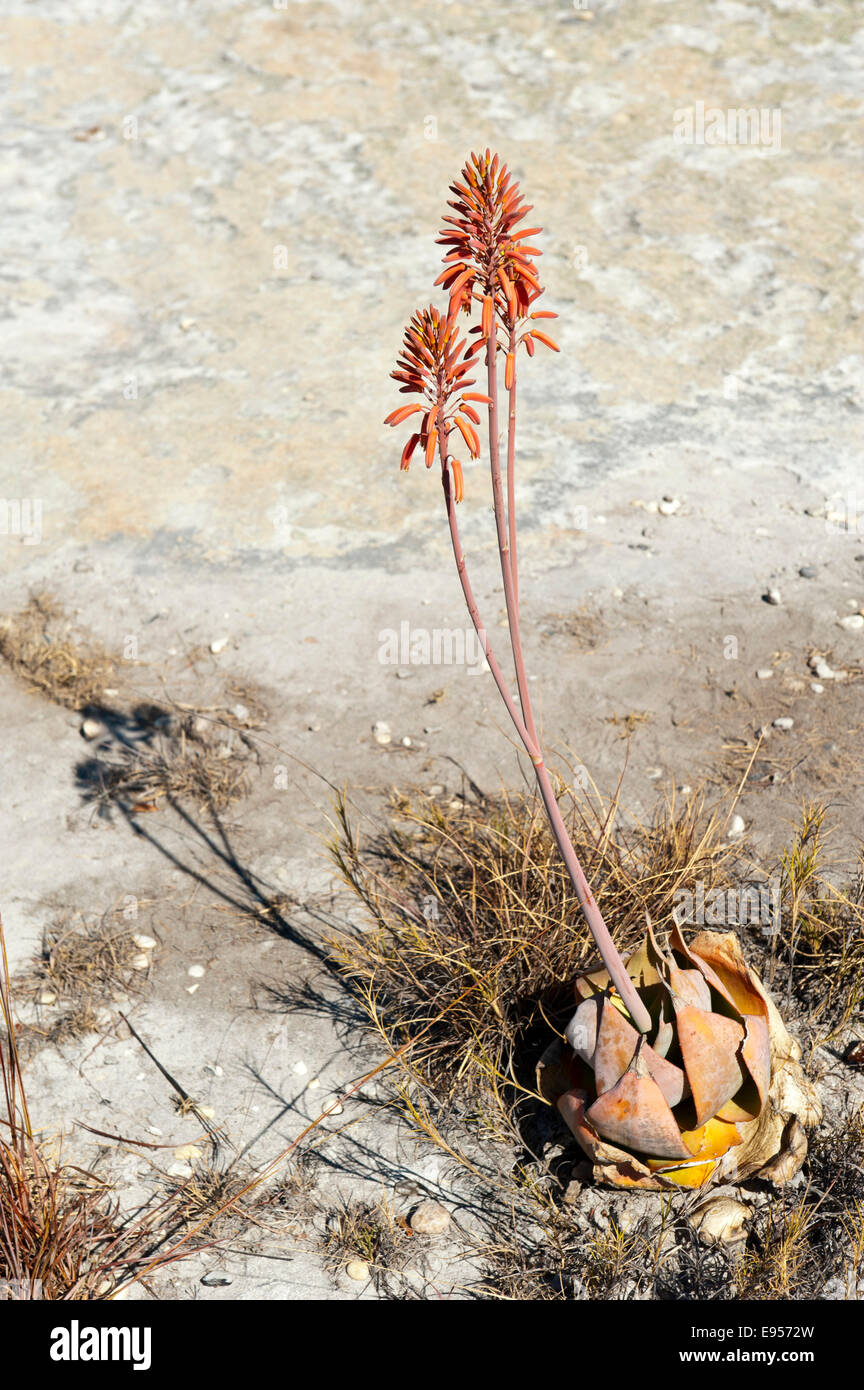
x,y
490,271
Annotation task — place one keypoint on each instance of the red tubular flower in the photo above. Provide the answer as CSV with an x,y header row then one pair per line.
x,y
434,364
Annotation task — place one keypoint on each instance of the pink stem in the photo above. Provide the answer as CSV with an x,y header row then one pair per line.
x,y
525,726
459,555
511,471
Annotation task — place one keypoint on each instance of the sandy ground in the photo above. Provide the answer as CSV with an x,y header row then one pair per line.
x,y
216,222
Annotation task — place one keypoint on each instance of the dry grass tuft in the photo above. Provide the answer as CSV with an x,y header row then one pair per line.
x,y
83,965
818,957
62,1233
475,935
41,646
165,756
148,753
370,1233
783,1261
85,961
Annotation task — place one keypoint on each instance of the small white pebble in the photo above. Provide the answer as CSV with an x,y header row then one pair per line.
x,y
336,1109
653,773
240,712
853,623
141,962
154,1130
144,943
218,645
191,989
783,723
381,731
196,971
187,1153
435,790
92,728
48,997
668,507
213,1067
824,671
314,1084
406,742
430,1219
207,1111
356,1269
300,1068
764,673
773,596
180,1170
684,790
816,687
736,826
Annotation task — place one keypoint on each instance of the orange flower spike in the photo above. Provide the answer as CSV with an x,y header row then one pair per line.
x,y
431,442
488,307
475,396
509,371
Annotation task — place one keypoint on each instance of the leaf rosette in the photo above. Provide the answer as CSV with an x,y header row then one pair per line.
x,y
714,1091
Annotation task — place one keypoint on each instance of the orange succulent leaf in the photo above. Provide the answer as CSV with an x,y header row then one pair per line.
x,y
615,1046
611,1164
691,986
756,1052
709,1046
721,953
636,1115
713,1139
684,1174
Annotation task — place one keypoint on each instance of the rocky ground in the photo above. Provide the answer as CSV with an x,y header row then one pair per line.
x,y
216,222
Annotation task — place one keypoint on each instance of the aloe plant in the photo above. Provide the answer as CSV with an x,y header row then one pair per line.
x,y
676,1067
